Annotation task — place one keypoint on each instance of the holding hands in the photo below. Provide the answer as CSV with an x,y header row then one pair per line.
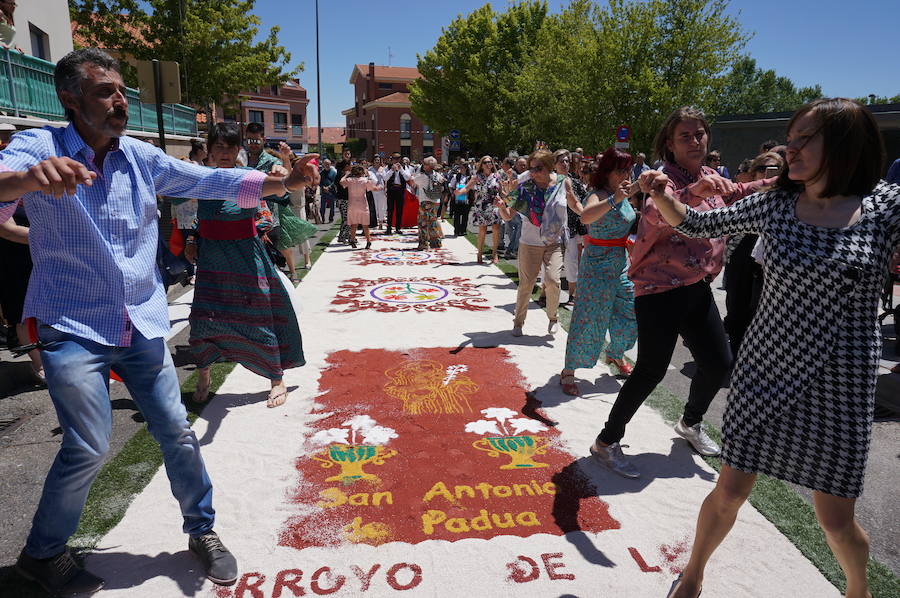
x,y
303,173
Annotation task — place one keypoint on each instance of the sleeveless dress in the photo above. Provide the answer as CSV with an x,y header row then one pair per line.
x,y
605,295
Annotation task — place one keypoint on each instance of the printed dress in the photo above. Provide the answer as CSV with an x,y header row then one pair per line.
x,y
241,310
605,295
803,390
487,188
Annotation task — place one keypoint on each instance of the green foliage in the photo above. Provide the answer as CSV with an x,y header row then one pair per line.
x,y
470,75
357,145
748,89
212,40
879,100
507,79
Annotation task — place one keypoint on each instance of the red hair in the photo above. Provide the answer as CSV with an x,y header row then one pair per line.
x,y
612,159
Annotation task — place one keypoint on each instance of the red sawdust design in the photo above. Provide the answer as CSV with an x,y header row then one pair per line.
x,y
396,256
442,452
358,294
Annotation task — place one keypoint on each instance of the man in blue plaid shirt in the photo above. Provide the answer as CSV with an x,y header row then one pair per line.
x,y
90,194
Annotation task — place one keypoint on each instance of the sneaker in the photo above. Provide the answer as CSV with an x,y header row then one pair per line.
x,y
553,327
614,459
221,566
698,438
517,331
59,575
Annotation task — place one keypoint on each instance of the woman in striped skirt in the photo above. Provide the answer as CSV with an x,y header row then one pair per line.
x,y
242,308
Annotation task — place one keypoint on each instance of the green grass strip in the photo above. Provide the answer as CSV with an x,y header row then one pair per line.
x,y
774,499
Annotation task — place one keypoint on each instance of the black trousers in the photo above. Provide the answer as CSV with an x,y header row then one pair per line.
x,y
395,206
460,210
743,285
691,312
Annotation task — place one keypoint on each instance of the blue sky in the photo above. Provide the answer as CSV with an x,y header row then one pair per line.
x,y
849,48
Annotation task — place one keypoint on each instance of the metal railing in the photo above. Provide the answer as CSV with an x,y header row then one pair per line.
x,y
296,130
27,90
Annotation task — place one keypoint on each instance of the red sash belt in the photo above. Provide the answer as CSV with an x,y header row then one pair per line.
x,y
228,230
606,242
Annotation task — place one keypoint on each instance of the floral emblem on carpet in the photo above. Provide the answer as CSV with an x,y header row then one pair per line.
x,y
388,294
401,257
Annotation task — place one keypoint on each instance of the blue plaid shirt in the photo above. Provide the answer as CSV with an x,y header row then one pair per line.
x,y
94,252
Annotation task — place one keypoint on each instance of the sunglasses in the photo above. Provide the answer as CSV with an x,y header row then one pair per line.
x,y
537,168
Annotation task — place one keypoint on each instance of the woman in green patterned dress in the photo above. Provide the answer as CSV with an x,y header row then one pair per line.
x,y
242,309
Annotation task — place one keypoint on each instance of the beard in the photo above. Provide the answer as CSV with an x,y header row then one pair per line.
x,y
104,126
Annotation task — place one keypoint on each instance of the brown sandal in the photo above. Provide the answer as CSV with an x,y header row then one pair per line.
x,y
201,394
567,381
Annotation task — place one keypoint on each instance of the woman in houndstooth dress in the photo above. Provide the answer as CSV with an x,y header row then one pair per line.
x,y
803,390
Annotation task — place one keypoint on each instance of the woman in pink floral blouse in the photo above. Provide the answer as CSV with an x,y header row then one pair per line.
x,y
672,275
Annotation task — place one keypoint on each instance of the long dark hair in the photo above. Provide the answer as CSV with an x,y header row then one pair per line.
x,y
612,159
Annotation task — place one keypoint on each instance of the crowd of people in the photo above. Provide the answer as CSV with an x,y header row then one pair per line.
x,y
805,230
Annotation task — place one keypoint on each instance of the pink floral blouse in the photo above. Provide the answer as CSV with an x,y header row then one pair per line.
x,y
663,259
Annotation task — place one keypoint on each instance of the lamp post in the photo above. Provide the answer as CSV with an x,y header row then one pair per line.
x,y
318,83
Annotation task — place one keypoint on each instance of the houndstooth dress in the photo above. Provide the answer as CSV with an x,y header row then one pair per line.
x,y
803,390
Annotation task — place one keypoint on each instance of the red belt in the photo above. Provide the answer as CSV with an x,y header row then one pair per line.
x,y
606,242
228,230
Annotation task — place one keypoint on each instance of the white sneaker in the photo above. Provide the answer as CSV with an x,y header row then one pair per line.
x,y
614,459
553,327
517,331
698,438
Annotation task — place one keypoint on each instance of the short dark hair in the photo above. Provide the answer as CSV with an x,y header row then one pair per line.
x,y
509,161
852,148
196,146
68,74
766,146
660,144
227,133
256,128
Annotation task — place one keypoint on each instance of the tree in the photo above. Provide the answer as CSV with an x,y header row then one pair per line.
x,y
469,76
211,39
748,89
879,100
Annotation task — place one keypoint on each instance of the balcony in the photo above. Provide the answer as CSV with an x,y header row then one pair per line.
x,y
27,90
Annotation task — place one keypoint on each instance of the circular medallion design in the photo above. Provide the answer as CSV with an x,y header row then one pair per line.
x,y
402,256
408,292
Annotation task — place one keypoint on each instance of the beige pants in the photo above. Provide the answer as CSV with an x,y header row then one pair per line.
x,y
531,258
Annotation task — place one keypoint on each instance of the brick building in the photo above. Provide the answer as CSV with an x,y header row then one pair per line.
x,y
281,109
382,114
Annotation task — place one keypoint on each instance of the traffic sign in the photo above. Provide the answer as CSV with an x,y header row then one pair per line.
x,y
454,134
623,133
454,146
437,152
381,146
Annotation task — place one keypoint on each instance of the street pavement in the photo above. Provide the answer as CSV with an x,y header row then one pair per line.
x,y
30,441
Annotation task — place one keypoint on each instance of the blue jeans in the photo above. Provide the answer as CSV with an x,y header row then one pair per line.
x,y
326,201
77,372
514,227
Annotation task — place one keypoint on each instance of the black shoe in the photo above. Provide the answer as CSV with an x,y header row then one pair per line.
x,y
353,244
368,244
388,231
221,566
59,575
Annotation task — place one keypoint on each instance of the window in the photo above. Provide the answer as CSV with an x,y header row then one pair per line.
x,y
429,134
297,125
40,43
280,121
256,116
405,126
385,86
274,90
